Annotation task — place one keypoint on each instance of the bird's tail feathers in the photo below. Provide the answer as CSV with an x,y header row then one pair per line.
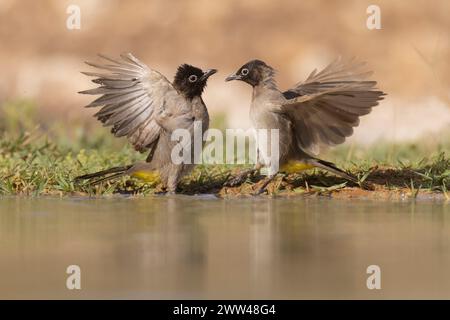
x,y
329,166
103,175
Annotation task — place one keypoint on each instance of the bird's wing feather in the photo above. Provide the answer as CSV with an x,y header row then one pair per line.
x,y
328,104
136,101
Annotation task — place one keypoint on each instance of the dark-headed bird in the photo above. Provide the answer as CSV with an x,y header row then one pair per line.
x,y
320,111
141,104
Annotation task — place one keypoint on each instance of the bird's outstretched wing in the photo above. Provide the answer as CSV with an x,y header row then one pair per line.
x,y
328,104
136,101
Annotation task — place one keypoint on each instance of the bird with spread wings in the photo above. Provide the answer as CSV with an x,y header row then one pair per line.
x,y
141,104
320,111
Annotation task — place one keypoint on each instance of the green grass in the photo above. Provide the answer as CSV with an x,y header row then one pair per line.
x,y
34,165
38,161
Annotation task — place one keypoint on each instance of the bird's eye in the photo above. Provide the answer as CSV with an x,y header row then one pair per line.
x,y
193,78
244,71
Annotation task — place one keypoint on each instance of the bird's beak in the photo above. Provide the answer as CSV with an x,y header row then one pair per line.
x,y
233,77
208,73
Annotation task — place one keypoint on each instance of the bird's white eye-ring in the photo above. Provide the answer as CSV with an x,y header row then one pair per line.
x,y
193,78
244,71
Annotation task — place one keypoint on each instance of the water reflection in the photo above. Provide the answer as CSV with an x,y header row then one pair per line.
x,y
202,247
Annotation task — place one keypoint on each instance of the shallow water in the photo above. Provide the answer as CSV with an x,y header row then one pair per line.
x,y
203,247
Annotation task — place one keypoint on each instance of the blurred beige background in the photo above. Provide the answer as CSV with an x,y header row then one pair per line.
x,y
40,58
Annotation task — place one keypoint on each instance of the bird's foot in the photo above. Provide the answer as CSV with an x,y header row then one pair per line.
x,y
365,185
240,178
265,184
160,190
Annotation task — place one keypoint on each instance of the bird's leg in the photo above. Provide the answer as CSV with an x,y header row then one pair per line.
x,y
161,189
172,184
242,176
175,175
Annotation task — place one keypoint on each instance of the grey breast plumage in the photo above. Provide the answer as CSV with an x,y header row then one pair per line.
x,y
326,107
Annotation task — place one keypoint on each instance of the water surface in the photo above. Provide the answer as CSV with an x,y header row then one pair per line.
x,y
203,247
